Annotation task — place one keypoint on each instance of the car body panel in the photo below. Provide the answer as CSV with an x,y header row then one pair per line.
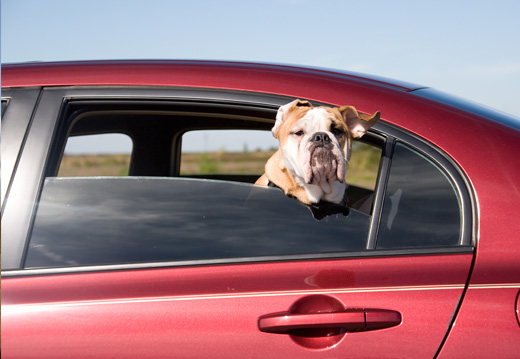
x,y
216,308
493,324
172,73
452,304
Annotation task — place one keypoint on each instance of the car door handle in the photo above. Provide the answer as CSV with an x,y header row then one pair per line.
x,y
349,320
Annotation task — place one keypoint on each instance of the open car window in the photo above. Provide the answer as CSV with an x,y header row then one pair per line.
x,y
163,210
235,155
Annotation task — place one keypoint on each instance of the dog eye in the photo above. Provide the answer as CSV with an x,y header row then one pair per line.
x,y
336,131
299,133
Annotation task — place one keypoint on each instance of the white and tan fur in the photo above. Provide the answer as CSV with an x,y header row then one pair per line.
x,y
315,146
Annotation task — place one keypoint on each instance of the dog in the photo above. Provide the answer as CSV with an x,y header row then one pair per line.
x,y
314,150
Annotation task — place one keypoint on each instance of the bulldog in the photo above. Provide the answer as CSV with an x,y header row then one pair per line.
x,y
314,150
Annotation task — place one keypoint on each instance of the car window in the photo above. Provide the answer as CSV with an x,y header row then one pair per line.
x,y
235,152
91,221
421,206
187,197
96,155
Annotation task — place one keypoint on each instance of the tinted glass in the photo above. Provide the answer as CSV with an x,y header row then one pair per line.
x,y
421,207
92,221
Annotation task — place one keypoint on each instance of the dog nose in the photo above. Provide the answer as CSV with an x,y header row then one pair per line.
x,y
320,138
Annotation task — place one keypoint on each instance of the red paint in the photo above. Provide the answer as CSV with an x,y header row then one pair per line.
x,y
151,313
213,311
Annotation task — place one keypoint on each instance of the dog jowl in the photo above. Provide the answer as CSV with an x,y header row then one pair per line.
x,y
315,145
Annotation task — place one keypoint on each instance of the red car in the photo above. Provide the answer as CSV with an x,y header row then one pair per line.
x,y
161,260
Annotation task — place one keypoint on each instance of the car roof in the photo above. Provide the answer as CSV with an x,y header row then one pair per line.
x,y
318,84
173,73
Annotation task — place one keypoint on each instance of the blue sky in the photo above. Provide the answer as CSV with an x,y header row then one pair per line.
x,y
469,48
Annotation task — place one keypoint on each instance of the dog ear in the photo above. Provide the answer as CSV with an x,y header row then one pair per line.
x,y
281,115
357,123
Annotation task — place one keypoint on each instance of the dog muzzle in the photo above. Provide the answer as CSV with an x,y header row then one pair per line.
x,y
326,162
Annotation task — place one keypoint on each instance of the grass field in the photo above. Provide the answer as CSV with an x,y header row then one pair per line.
x,y
362,169
94,165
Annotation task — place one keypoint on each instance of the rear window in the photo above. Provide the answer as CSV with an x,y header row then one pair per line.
x,y
420,206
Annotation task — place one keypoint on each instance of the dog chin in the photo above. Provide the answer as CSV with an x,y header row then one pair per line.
x,y
335,194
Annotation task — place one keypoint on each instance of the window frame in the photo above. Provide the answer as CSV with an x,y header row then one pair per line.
x,y
5,103
393,135
49,120
17,115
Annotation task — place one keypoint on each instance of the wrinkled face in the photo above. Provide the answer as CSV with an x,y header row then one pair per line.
x,y
315,144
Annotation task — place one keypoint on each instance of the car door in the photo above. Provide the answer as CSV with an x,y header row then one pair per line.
x,y
160,266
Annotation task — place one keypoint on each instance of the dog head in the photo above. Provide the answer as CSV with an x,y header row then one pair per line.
x,y
315,143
